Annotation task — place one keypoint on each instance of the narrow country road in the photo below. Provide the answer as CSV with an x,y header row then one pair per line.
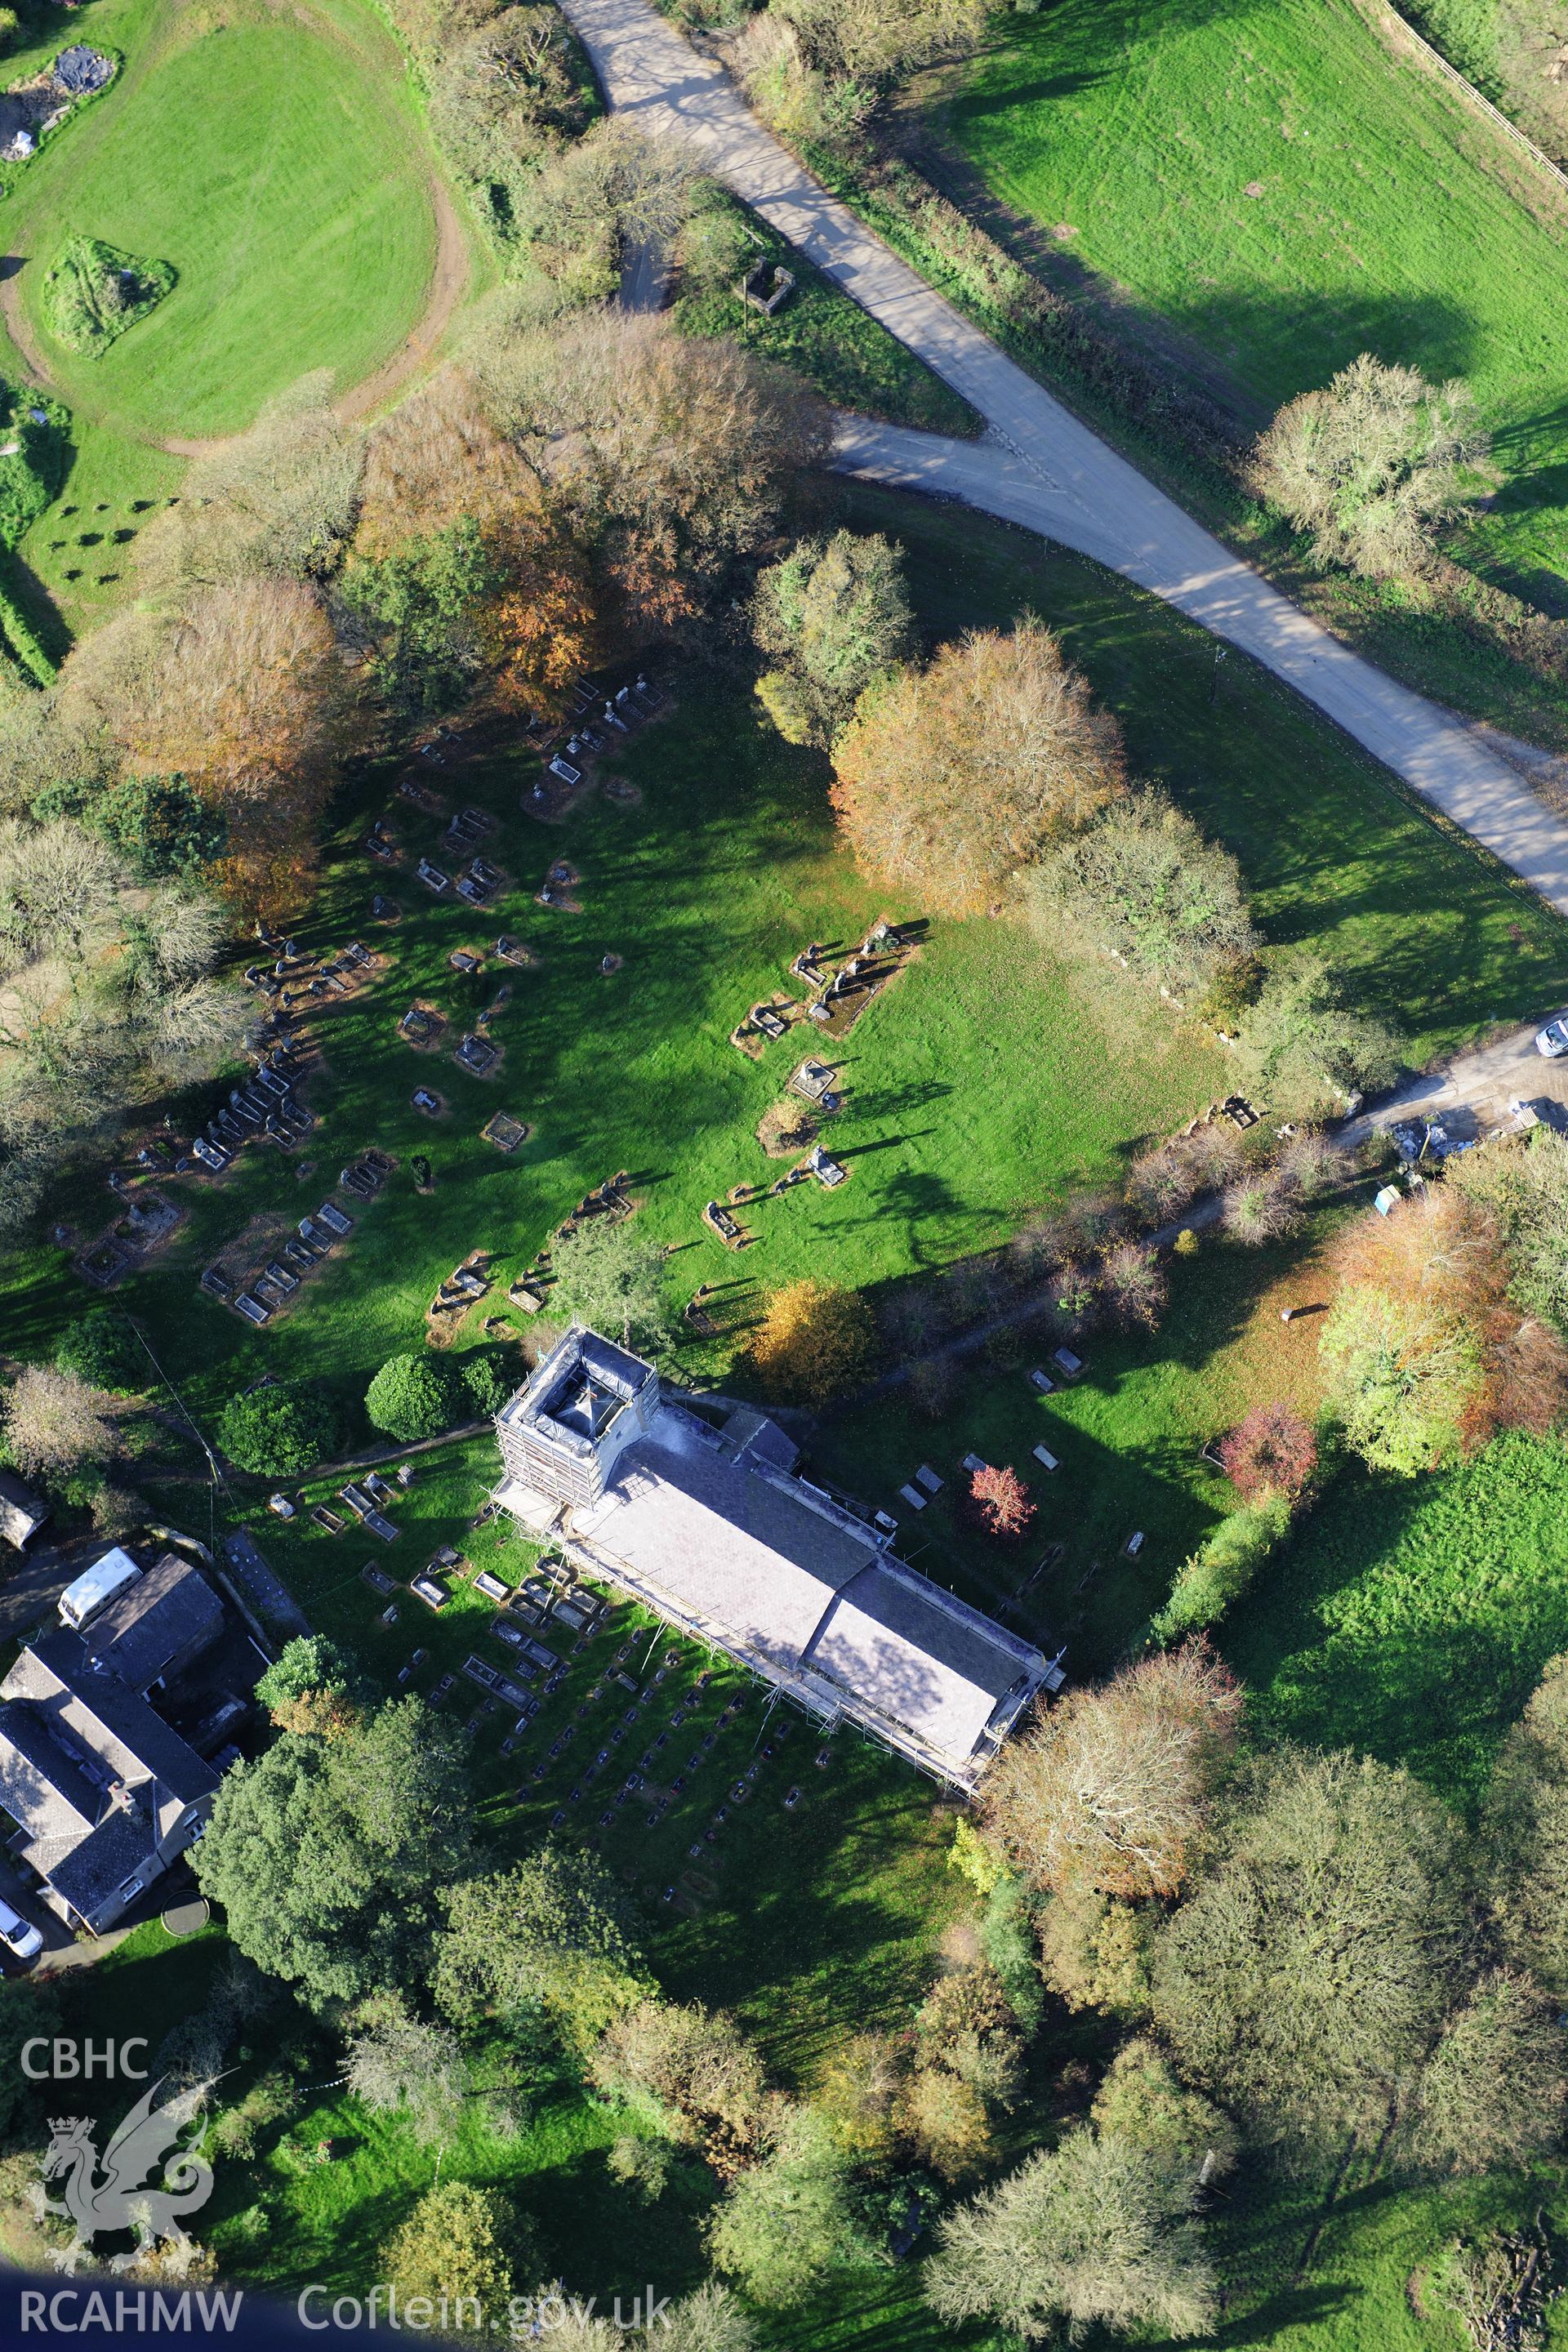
x,y
1038,465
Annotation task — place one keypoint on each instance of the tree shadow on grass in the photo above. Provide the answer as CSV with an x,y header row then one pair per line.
x,y
1292,2307
601,2241
1046,89
1410,1621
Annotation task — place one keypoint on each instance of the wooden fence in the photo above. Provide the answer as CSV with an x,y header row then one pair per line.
x,y
1451,73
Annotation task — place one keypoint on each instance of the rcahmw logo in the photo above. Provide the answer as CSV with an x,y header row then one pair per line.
x,y
101,2195
125,2311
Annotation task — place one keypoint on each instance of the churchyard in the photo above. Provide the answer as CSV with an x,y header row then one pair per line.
x,y
703,897
632,975
707,892
701,864
594,1707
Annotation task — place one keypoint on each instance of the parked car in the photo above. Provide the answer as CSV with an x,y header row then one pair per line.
x,y
1552,1039
23,1941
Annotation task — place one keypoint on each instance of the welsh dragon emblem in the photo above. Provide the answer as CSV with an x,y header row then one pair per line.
x,y
107,2194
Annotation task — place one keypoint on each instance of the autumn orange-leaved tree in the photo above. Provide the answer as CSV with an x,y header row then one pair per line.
x,y
951,780
540,627
1001,1501
243,692
436,460
670,457
1426,1351
815,1342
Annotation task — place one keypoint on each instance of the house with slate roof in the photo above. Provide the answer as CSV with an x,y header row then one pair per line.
x,y
107,1738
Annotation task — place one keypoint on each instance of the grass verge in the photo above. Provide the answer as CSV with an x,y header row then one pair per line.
x,y
839,349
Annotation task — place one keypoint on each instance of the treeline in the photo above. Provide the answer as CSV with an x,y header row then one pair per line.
x,y
109,988
75,1428
1285,1955
816,71
988,779
1305,1951
1447,1324
579,487
513,106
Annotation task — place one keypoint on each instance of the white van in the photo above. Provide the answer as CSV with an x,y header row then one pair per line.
x,y
84,1598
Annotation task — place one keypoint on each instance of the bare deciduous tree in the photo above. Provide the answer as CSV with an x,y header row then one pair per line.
x,y
668,459
1373,465
277,499
1133,1284
1261,1207
55,1423
397,2062
1271,1450
1094,2229
104,996
1109,1787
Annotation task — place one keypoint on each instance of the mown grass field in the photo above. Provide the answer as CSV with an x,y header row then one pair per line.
x,y
277,164
79,550
1282,189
